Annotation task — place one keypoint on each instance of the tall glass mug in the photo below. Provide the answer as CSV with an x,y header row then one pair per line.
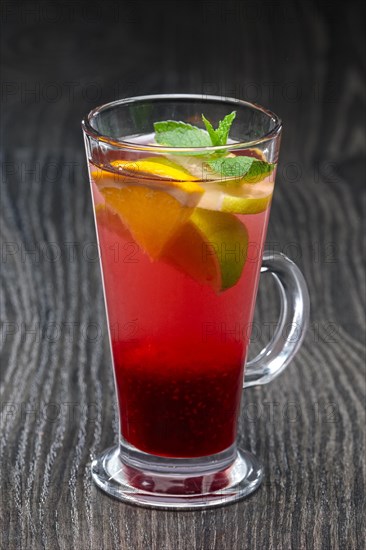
x,y
181,213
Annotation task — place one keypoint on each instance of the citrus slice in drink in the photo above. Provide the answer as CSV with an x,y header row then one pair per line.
x,y
211,248
163,175
159,167
246,199
152,213
249,195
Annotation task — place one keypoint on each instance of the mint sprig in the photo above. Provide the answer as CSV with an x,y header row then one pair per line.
x,y
219,136
174,133
231,170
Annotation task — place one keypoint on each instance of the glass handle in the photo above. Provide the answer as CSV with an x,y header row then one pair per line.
x,y
292,324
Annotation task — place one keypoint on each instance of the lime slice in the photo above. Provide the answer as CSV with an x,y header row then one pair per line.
x,y
211,248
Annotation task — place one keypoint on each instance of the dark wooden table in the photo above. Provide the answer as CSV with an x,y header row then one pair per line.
x,y
303,60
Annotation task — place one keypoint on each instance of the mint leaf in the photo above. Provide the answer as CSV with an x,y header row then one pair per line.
x,y
179,134
211,132
241,169
224,128
219,136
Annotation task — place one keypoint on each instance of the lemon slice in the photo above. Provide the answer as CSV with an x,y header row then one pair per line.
x,y
160,167
211,248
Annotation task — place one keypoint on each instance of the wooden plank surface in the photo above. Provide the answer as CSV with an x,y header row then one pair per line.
x,y
60,59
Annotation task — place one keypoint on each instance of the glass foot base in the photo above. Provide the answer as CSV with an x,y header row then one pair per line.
x,y
138,478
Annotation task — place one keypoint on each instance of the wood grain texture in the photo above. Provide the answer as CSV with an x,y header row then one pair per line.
x,y
60,59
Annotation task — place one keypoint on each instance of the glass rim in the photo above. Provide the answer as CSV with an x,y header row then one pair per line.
x,y
120,143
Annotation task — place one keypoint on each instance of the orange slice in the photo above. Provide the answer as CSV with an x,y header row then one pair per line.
x,y
152,213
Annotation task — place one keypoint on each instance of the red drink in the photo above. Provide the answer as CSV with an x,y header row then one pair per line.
x,y
182,186
179,343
